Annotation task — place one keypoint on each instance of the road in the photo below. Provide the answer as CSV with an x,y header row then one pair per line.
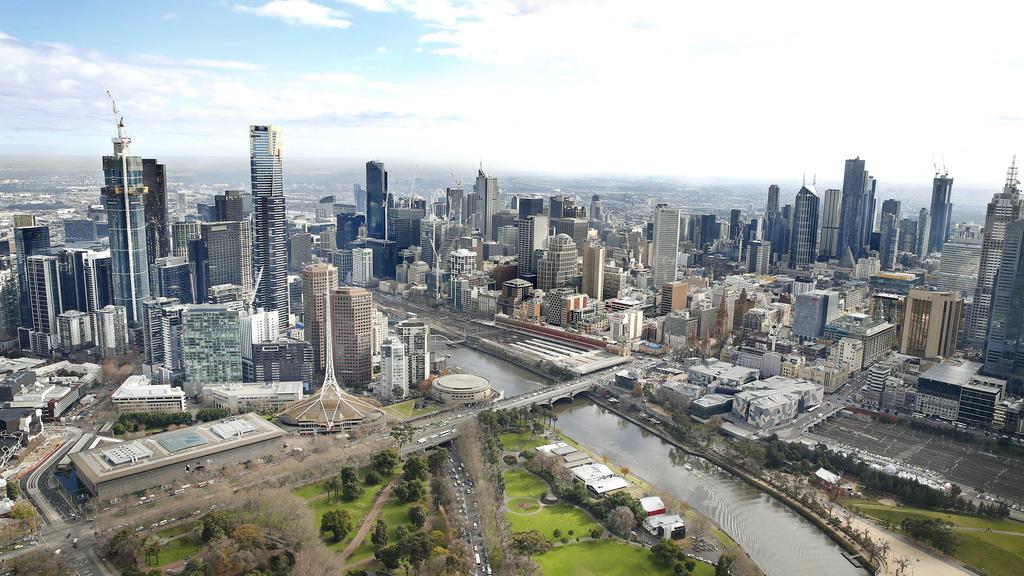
x,y
468,511
60,522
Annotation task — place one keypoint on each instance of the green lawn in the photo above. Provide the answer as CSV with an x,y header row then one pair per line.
x,y
520,483
174,551
607,558
995,554
407,409
521,441
316,499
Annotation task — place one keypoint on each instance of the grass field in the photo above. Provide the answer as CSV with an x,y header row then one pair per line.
x,y
521,441
606,558
995,554
521,486
407,409
394,513
174,551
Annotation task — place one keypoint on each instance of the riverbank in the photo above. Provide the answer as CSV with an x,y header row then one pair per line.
x,y
839,538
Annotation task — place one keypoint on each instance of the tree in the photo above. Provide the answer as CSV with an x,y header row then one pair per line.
x,y
390,556
414,468
667,552
384,462
13,491
25,514
699,527
530,544
249,537
38,563
418,516
436,461
336,524
332,485
123,548
351,489
415,548
216,524
151,548
621,520
722,567
522,566
407,491
210,414
379,536
371,478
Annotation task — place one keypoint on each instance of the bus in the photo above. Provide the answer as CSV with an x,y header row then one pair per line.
x,y
477,558
813,408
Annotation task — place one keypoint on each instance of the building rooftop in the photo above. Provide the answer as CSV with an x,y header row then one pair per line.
x,y
605,485
591,472
952,372
140,387
106,463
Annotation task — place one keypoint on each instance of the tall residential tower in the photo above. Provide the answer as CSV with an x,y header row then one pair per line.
x,y
270,255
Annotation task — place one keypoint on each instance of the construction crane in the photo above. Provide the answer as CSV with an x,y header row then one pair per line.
x,y
255,287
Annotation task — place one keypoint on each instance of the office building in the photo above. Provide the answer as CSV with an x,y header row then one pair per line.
x,y
888,241
300,251
317,281
432,237
415,336
174,279
593,270
931,324
673,296
233,206
161,334
958,266
857,212
74,331
812,311
394,371
211,346
111,323
28,241
269,251
531,235
759,256
76,230
44,297
245,397
895,282
138,395
158,240
1004,208
352,317
10,316
941,211
831,213
378,200
181,234
222,255
124,197
924,223
560,266
773,198
878,336
362,266
280,360
956,392
666,244
1004,350
347,229
486,189
735,219
804,244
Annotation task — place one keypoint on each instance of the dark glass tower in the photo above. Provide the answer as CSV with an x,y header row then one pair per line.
x,y
28,241
376,200
1004,352
158,239
803,249
270,252
941,211
857,213
124,197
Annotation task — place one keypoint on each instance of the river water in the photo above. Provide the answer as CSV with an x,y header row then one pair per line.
x,y
779,540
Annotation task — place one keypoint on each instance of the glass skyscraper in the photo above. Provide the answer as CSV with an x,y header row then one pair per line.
x,y
376,200
269,250
941,211
804,245
124,197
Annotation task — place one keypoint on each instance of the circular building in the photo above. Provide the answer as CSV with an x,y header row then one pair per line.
x,y
461,389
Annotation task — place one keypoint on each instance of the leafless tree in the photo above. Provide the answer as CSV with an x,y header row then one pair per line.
x,y
621,520
902,563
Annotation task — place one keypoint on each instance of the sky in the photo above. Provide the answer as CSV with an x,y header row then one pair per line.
x,y
740,89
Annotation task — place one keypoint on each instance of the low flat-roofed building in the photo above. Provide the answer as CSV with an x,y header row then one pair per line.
x,y
240,397
547,448
113,471
652,505
138,394
709,405
722,374
53,397
591,472
603,486
668,526
955,391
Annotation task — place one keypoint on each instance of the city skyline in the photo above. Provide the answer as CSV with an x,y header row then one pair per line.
x,y
360,73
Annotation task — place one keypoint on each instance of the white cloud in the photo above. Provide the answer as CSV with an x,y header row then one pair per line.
x,y
5,37
170,16
382,49
227,64
418,49
299,12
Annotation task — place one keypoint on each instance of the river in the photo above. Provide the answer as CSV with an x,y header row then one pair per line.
x,y
779,540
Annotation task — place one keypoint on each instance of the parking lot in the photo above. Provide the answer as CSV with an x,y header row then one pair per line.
x,y
958,462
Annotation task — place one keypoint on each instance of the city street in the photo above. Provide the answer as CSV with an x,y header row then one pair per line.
x,y
468,511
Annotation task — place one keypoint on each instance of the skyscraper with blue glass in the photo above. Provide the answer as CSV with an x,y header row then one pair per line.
x,y
124,197
269,250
